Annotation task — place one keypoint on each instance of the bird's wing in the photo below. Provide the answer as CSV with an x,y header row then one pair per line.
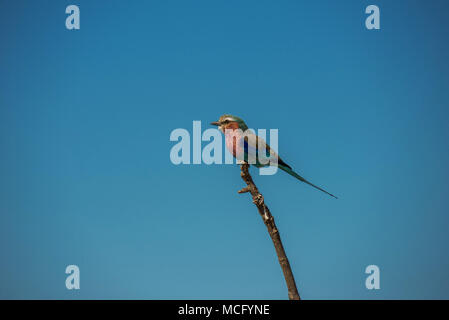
x,y
252,145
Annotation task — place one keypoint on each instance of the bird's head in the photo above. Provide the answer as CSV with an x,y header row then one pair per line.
x,y
230,122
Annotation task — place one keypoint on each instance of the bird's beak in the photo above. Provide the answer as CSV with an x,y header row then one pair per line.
x,y
215,123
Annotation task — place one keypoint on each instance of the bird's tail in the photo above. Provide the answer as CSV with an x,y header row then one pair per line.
x,y
297,176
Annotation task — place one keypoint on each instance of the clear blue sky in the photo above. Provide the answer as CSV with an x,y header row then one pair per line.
x,y
86,178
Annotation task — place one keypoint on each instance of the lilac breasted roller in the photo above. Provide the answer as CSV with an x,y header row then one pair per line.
x,y
245,146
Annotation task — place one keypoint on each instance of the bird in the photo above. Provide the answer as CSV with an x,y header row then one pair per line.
x,y
244,145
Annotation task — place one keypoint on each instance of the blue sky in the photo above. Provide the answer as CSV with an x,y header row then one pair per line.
x,y
86,177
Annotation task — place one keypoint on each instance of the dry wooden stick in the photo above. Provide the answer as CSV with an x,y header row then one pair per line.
x,y
268,219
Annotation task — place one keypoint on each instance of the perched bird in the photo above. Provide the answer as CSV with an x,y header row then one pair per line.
x,y
245,145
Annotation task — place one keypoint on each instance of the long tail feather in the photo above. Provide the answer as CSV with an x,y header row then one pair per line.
x,y
297,176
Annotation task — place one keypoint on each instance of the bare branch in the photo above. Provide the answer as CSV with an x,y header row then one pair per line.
x,y
244,190
268,220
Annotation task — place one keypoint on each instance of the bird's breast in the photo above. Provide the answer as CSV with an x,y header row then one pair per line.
x,y
233,142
